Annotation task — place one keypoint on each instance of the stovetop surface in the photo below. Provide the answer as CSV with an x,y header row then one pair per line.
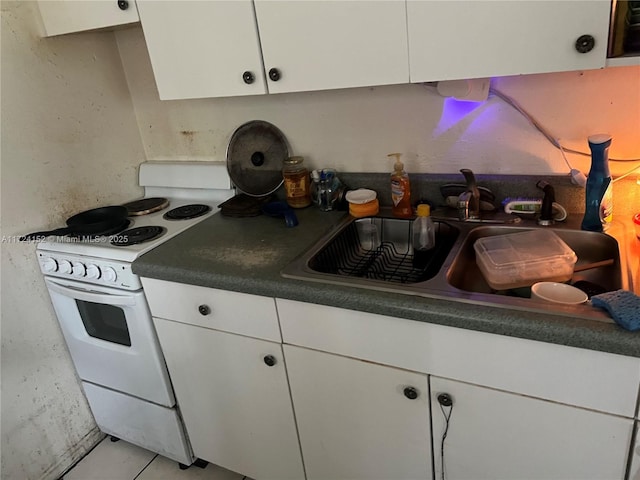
x,y
103,247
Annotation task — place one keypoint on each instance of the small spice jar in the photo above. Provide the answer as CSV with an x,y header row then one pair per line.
x,y
296,182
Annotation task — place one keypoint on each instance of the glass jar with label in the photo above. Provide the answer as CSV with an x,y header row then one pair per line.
x,y
296,182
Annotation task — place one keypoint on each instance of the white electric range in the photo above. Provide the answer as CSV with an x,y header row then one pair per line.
x,y
104,315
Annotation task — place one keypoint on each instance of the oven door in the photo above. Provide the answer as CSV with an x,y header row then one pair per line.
x,y
111,339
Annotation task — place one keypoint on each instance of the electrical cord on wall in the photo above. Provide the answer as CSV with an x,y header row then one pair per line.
x,y
445,401
578,177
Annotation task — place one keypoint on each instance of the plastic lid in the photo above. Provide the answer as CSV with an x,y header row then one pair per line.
x,y
361,195
424,210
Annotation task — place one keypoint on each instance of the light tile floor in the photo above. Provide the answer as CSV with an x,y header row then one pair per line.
x,y
123,461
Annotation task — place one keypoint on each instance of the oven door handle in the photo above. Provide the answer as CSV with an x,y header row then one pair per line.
x,y
88,296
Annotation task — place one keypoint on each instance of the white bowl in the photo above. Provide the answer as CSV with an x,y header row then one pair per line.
x,y
558,293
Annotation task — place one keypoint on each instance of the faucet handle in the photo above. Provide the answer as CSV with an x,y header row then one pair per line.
x,y
473,205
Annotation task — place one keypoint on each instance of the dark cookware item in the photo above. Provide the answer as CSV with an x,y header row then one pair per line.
x,y
254,158
90,222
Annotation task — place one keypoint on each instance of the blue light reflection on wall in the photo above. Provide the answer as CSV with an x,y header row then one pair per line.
x,y
453,111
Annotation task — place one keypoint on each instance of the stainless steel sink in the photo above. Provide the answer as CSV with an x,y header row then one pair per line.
x,y
375,253
590,247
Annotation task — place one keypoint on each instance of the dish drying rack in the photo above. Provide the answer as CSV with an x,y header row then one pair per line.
x,y
356,254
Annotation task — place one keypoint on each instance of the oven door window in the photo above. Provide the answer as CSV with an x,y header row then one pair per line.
x,y
105,322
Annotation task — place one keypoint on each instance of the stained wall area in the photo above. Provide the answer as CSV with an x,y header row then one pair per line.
x,y
69,142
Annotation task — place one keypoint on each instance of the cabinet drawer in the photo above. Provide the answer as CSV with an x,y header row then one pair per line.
x,y
586,378
241,313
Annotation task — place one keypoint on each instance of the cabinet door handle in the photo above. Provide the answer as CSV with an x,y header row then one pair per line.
x,y
270,360
204,309
411,393
123,4
248,77
274,74
585,43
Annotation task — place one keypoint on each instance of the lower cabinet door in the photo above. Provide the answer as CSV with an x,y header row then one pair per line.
x,y
495,435
234,398
634,470
359,420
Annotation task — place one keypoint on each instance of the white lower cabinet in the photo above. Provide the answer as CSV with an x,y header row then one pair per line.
x,y
496,435
234,398
634,469
359,420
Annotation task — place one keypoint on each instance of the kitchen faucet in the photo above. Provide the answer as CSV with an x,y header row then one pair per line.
x,y
469,201
546,211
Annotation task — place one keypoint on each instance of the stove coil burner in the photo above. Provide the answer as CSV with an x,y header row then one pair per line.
x,y
144,206
137,235
187,212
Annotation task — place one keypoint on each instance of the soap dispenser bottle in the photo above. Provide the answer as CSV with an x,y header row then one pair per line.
x,y
599,202
400,189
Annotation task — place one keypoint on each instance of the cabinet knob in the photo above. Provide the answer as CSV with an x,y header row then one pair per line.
x,y
248,77
274,74
204,309
270,360
411,393
585,43
445,400
123,4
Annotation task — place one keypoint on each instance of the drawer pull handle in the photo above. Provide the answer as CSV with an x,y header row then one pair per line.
x,y
123,4
270,360
204,309
411,393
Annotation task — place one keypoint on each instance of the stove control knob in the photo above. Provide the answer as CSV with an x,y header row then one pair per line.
x,y
64,266
93,271
109,274
49,265
79,270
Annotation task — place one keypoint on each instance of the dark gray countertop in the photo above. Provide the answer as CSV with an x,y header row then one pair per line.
x,y
247,254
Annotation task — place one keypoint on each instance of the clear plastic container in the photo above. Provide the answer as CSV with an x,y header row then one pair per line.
x,y
521,259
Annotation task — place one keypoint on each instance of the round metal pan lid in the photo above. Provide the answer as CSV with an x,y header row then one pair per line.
x,y
254,158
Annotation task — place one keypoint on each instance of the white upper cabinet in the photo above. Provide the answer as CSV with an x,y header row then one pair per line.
x,y
473,39
316,45
203,48
68,16
216,48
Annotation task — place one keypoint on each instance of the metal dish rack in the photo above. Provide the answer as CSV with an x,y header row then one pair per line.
x,y
352,254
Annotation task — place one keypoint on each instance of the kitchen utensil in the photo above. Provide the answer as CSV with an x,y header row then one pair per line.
x,y
254,158
243,205
558,293
90,222
589,266
281,209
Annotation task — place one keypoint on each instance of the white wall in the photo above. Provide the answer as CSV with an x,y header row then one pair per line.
x,y
69,142
353,130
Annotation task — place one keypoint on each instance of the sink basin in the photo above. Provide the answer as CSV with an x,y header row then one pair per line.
x,y
380,249
590,247
375,253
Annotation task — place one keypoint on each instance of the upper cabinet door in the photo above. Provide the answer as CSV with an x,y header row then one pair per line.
x,y
68,16
317,45
473,39
203,48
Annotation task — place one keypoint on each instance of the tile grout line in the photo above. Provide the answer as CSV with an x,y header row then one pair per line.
x,y
145,467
